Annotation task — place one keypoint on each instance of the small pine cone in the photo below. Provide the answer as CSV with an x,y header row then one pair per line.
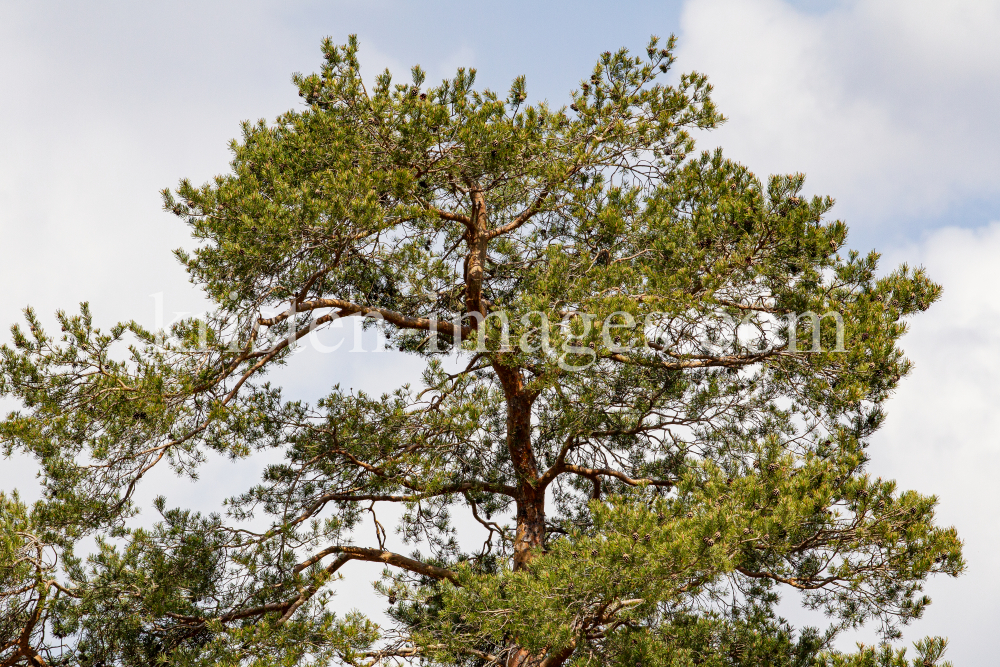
x,y
747,531
709,541
775,493
392,599
635,537
717,535
593,552
647,537
756,506
690,515
772,467
627,558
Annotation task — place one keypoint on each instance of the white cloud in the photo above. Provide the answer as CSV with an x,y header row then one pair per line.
x,y
942,435
888,105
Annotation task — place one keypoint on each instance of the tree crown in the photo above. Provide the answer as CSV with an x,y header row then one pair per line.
x,y
668,376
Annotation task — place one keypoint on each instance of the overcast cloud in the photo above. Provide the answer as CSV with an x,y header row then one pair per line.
x,y
889,106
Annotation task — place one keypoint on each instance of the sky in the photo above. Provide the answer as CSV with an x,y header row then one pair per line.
x,y
889,106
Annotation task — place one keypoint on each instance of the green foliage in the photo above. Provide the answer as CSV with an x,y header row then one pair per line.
x,y
649,471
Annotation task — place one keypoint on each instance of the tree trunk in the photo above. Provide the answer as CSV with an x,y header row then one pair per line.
x,y
529,538
531,496
530,533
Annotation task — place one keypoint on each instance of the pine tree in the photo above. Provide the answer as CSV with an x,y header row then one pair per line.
x,y
654,437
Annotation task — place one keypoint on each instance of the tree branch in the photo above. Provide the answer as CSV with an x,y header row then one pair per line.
x,y
348,309
591,473
380,556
